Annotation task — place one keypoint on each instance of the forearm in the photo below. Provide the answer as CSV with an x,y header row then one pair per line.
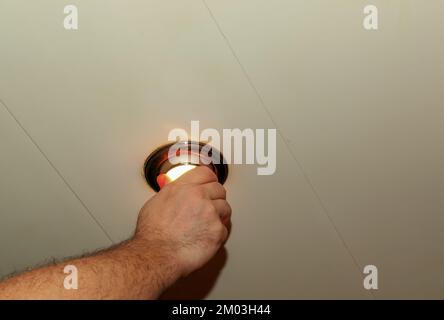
x,y
131,270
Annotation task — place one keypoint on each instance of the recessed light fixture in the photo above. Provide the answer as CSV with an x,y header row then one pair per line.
x,y
190,157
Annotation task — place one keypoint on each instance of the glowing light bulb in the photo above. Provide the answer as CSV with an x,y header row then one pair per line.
x,y
176,172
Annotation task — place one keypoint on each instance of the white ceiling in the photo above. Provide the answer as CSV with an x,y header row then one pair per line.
x,y
359,116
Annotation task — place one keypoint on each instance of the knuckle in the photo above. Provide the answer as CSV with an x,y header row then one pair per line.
x,y
223,191
207,174
209,209
226,208
217,233
229,209
221,233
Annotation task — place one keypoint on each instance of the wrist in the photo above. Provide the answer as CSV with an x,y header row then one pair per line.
x,y
157,259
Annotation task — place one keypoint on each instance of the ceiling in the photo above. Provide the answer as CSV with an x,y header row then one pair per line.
x,y
359,114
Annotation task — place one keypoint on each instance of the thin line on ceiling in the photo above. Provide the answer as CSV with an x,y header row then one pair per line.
x,y
267,111
56,170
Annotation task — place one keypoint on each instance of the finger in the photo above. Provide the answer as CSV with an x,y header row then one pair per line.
x,y
198,175
223,209
215,190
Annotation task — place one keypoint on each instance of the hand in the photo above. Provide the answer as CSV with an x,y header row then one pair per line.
x,y
187,220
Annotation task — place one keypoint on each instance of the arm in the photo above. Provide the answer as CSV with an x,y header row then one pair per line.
x,y
178,231
118,273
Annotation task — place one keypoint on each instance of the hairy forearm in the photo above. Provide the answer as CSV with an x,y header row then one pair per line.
x,y
131,270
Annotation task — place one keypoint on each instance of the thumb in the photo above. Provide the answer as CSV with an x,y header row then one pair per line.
x,y
162,180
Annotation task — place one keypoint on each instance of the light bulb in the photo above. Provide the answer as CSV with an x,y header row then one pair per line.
x,y
176,172
158,170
